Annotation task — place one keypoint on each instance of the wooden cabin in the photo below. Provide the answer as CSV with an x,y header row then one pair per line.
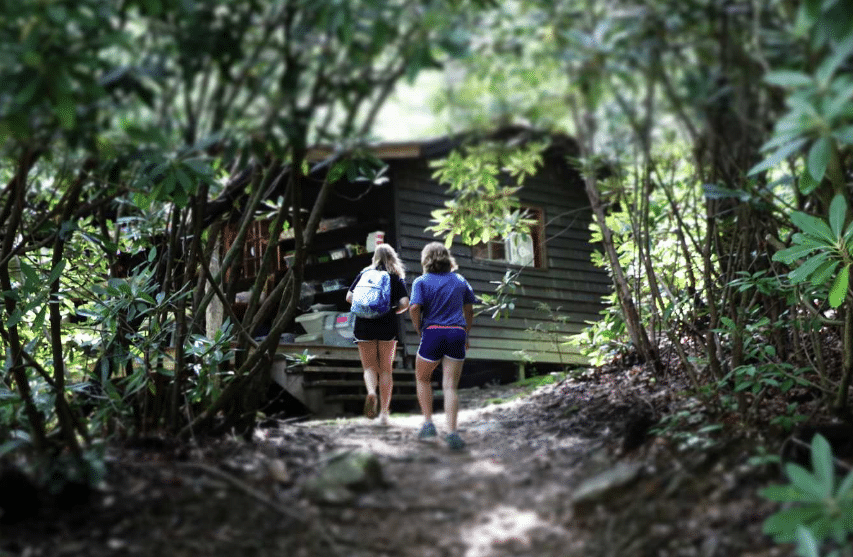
x,y
560,290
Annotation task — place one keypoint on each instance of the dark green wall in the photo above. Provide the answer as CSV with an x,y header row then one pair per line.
x,y
568,282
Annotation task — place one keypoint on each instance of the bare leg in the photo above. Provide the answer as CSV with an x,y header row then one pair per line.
x,y
451,371
387,350
423,375
369,353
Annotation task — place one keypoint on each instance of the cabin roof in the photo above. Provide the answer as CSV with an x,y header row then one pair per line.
x,y
440,146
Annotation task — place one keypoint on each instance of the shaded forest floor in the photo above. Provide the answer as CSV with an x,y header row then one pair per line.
x,y
566,469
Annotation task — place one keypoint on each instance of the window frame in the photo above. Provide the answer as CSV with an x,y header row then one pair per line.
x,y
494,251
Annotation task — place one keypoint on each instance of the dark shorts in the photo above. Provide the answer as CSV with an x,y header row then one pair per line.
x,y
381,328
438,341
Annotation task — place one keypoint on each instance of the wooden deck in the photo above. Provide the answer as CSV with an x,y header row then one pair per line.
x,y
331,383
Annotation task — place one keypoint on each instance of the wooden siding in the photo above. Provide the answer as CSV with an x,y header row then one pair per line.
x,y
568,283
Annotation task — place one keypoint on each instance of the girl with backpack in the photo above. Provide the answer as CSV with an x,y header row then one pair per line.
x,y
376,337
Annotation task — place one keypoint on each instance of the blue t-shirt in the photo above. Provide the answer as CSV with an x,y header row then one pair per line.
x,y
441,297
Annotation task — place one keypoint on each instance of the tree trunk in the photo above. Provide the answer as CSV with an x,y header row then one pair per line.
x,y
12,213
840,404
635,327
67,421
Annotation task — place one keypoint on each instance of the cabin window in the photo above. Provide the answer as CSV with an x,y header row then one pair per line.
x,y
516,249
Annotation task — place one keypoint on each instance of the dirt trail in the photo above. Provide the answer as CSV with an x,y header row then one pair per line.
x,y
512,492
515,490
506,494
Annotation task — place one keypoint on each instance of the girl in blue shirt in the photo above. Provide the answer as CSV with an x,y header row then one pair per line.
x,y
442,311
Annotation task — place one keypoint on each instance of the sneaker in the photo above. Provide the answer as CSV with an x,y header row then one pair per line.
x,y
383,418
454,442
427,431
370,404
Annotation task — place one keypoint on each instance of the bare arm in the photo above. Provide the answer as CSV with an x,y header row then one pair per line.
x,y
468,311
415,314
402,305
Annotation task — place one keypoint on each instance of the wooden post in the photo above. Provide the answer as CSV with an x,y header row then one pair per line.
x,y
521,369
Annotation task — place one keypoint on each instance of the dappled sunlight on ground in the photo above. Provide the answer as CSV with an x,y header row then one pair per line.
x,y
379,447
486,468
504,526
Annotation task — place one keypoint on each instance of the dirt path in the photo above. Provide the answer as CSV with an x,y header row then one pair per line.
x,y
506,494
517,488
514,491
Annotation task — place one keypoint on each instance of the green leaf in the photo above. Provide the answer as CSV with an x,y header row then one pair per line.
x,y
781,154
57,271
845,490
844,135
338,169
38,322
791,254
807,545
826,270
351,172
32,281
837,214
168,184
788,78
822,525
14,319
813,226
839,104
807,184
809,266
781,138
114,292
805,481
804,240
830,64
838,292
802,105
782,526
818,159
822,463
714,191
187,184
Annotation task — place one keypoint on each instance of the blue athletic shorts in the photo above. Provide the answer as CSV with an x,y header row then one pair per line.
x,y
438,341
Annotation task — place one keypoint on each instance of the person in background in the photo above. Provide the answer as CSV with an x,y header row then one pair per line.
x,y
442,311
377,338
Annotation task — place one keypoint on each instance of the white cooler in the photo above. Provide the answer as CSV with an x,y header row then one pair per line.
x,y
314,323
